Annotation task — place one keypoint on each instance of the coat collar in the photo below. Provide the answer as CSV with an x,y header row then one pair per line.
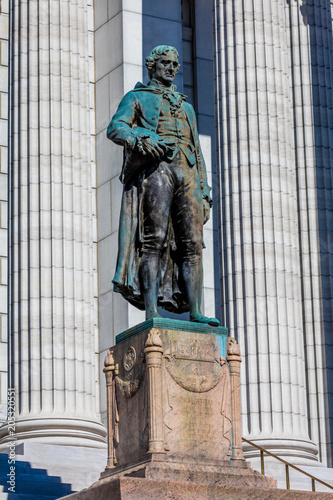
x,y
155,87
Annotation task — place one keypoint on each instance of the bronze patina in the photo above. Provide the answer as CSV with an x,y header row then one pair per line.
x,y
166,197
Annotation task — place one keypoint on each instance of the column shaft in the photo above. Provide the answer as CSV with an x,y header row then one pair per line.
x,y
52,345
260,95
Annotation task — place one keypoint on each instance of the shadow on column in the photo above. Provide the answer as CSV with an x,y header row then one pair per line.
x,y
318,16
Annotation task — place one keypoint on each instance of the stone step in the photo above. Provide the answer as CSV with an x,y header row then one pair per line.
x,y
71,479
34,483
323,473
59,470
298,481
23,469
142,489
36,488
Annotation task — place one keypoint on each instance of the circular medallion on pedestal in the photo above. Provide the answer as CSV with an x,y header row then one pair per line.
x,y
129,359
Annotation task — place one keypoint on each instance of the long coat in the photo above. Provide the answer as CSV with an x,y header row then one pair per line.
x,y
137,115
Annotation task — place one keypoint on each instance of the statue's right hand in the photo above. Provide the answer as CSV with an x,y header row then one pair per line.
x,y
151,146
154,147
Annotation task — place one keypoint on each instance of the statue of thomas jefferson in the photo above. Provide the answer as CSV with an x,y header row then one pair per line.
x,y
166,197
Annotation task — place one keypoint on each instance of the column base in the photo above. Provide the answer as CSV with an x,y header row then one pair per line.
x,y
295,450
54,430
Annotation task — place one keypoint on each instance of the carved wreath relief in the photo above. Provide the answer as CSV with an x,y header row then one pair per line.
x,y
198,416
194,364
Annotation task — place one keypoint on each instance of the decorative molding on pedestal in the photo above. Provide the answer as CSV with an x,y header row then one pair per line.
x,y
171,324
112,413
234,359
153,354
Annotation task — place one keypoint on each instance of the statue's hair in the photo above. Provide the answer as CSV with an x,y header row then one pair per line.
x,y
156,53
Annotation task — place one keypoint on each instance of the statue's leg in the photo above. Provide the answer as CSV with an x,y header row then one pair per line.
x,y
187,215
149,278
156,203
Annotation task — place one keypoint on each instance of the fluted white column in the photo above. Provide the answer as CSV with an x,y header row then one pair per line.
x,y
259,91
52,346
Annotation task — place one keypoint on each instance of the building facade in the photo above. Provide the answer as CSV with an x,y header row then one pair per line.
x,y
259,75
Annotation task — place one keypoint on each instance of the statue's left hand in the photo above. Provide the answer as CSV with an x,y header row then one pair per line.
x,y
206,210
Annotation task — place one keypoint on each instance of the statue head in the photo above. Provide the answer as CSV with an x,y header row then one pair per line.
x,y
162,63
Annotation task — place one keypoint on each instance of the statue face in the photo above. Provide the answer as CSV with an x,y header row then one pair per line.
x,y
166,68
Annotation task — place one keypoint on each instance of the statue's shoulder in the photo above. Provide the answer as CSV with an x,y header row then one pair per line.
x,y
189,108
190,111
138,89
140,92
140,86
132,93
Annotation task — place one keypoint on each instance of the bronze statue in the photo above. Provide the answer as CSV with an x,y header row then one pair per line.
x,y
166,198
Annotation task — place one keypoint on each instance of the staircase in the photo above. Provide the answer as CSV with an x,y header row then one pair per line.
x,y
50,472
30,483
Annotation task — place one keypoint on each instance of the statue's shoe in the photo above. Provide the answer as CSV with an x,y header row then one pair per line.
x,y
153,315
206,321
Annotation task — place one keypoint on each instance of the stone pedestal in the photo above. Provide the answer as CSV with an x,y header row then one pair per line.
x,y
169,398
174,409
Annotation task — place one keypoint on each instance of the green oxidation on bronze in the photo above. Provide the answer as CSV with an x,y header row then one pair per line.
x,y
179,325
166,198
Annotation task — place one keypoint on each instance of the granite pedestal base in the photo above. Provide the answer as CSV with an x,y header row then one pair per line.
x,y
130,488
226,474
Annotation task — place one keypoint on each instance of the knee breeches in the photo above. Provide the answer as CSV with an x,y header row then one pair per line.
x,y
172,192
